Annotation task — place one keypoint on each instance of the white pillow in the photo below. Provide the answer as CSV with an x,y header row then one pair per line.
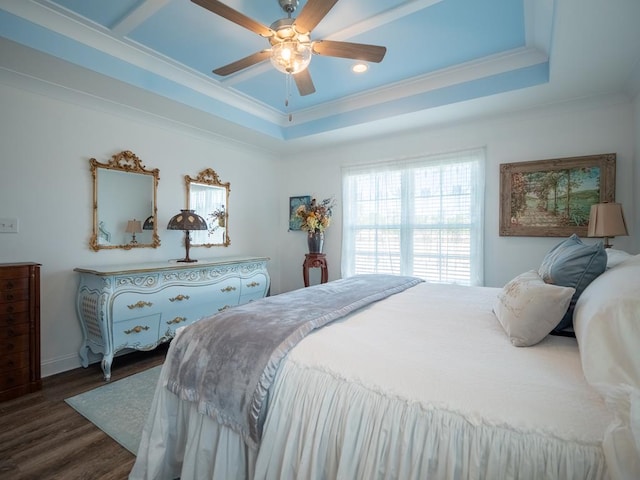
x,y
607,326
616,257
528,308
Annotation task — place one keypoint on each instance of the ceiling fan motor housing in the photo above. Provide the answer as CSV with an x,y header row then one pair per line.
x,y
288,6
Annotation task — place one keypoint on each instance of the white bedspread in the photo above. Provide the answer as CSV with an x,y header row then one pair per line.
x,y
451,399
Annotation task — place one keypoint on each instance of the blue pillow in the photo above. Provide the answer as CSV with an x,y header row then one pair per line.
x,y
572,263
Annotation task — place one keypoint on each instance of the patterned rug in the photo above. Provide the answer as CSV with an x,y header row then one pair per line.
x,y
120,408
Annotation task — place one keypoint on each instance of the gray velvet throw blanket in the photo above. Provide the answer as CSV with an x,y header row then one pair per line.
x,y
227,362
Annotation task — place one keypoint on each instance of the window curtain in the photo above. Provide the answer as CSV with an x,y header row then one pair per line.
x,y
420,217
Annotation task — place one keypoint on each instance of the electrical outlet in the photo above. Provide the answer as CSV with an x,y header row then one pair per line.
x,y
8,225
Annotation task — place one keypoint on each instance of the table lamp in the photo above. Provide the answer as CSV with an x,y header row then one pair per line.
x,y
187,220
606,220
133,226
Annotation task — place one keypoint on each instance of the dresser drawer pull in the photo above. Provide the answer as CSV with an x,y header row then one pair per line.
x,y
177,320
228,289
136,329
140,304
224,308
9,309
9,285
9,296
253,284
179,298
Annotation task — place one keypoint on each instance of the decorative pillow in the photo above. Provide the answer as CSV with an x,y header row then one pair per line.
x,y
528,308
616,257
607,325
571,263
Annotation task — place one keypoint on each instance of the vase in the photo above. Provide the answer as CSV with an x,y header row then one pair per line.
x,y
315,242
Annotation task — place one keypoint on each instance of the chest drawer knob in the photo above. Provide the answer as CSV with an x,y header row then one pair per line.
x,y
253,284
139,304
136,329
228,289
176,320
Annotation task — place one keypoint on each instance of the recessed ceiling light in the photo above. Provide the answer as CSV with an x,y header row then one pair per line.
x,y
360,68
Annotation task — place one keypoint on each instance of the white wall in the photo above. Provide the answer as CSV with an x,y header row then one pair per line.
x,y
603,125
48,136
45,182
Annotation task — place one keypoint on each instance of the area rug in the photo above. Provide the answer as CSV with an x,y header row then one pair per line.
x,y
120,408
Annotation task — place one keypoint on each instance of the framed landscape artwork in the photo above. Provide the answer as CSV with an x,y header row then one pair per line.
x,y
553,198
294,202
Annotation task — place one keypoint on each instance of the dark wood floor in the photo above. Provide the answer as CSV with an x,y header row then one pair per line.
x,y
41,437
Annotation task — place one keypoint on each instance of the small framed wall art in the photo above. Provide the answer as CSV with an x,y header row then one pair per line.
x,y
294,202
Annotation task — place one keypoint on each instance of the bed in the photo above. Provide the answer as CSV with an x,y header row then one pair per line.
x,y
428,383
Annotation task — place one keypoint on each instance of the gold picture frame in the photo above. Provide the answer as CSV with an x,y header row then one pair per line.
x,y
552,198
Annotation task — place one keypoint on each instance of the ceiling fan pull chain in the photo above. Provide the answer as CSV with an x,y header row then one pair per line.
x,y
287,83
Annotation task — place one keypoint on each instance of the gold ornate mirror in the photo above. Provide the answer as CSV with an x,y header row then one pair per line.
x,y
124,203
209,197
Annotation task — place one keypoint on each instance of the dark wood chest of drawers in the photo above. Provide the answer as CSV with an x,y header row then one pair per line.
x,y
19,329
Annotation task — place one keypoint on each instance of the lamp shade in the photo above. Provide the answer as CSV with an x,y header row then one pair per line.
x,y
606,220
187,220
134,226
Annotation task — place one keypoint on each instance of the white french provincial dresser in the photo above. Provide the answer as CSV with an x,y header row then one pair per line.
x,y
140,306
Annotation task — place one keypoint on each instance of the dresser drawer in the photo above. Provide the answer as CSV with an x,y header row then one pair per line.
x,y
202,300
11,319
14,294
14,378
16,361
253,288
14,307
133,305
12,331
11,345
9,278
140,333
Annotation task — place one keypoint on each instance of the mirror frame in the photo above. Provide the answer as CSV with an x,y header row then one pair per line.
x,y
125,161
208,176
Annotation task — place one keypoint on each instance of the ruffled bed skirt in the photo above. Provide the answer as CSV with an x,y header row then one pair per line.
x,y
337,429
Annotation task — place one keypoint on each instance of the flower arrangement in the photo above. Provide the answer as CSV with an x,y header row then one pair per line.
x,y
316,217
217,219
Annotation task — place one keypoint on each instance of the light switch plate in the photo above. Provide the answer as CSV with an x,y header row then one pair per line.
x,y
8,225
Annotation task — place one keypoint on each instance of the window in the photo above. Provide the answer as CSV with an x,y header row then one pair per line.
x,y
422,217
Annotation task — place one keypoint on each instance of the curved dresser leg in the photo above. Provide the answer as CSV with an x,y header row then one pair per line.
x,y
106,367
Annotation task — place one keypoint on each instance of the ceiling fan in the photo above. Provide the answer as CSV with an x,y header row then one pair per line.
x,y
290,39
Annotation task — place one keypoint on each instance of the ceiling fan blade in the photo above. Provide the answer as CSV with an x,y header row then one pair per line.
x,y
312,13
243,63
304,82
357,51
234,16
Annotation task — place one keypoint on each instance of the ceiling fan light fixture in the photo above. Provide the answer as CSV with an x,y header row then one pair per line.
x,y
291,56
